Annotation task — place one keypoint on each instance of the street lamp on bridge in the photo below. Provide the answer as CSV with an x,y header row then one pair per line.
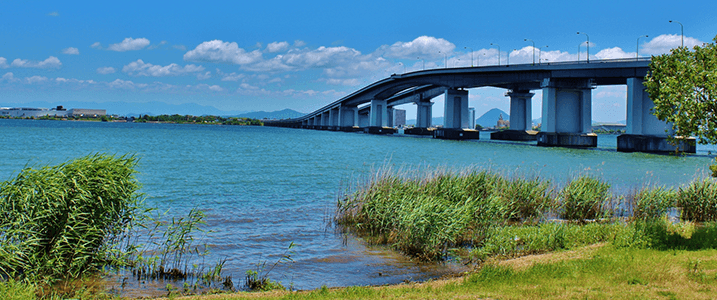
x,y
588,44
525,40
424,62
445,59
637,46
498,52
540,51
471,54
682,33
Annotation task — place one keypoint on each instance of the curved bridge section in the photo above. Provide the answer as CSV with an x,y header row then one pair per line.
x,y
566,108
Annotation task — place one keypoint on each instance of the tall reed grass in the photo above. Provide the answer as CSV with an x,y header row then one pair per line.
x,y
427,215
63,221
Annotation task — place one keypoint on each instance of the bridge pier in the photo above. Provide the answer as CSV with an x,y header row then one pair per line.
x,y
424,116
456,117
379,118
348,118
521,122
644,132
567,113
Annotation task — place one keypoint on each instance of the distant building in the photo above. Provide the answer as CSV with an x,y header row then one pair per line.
x,y
502,123
399,117
29,112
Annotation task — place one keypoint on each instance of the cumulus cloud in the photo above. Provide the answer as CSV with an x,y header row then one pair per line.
x,y
140,68
129,44
277,46
614,53
213,88
230,77
71,51
663,43
204,76
96,45
105,70
49,63
3,63
35,79
217,51
424,46
8,77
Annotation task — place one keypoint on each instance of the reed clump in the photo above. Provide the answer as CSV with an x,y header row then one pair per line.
x,y
67,220
584,198
432,215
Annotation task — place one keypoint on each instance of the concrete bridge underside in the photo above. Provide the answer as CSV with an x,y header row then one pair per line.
x,y
566,109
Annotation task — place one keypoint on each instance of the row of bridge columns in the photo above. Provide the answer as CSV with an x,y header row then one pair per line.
x,y
566,114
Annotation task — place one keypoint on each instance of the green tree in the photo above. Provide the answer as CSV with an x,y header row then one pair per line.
x,y
683,86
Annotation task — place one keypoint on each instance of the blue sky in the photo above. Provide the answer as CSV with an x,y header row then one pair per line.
x,y
271,55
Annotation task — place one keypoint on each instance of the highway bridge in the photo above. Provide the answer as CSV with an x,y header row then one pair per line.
x,y
566,107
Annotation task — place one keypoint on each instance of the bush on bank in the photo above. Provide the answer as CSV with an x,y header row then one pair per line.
x,y
427,216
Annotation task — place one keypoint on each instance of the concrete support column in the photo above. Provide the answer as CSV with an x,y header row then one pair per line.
x,y
424,114
378,114
456,113
364,120
567,114
348,118
332,118
521,111
389,117
644,132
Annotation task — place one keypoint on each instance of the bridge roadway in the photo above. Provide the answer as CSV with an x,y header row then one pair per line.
x,y
566,109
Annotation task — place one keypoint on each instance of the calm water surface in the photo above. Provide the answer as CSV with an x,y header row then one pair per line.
x,y
263,188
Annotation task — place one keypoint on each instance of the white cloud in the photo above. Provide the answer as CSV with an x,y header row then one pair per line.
x,y
71,51
96,45
204,76
230,77
105,70
423,46
247,86
49,63
299,43
217,51
35,79
663,43
213,88
54,14
346,82
614,53
122,84
179,47
8,77
140,68
277,46
129,44
3,63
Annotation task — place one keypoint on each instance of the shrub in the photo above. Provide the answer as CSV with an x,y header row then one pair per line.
x,y
652,203
698,201
62,221
584,198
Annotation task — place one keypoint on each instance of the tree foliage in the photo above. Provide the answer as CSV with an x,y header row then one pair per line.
x,y
683,86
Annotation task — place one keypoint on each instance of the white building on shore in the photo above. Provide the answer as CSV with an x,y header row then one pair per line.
x,y
29,112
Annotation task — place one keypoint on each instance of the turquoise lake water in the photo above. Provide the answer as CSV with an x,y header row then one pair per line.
x,y
264,187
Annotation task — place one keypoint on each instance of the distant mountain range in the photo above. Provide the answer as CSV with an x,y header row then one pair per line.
x,y
280,114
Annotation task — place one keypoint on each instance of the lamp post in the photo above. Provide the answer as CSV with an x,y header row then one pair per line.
x,y
525,40
588,44
424,62
509,56
404,67
541,52
471,54
498,52
637,46
478,61
445,59
682,33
